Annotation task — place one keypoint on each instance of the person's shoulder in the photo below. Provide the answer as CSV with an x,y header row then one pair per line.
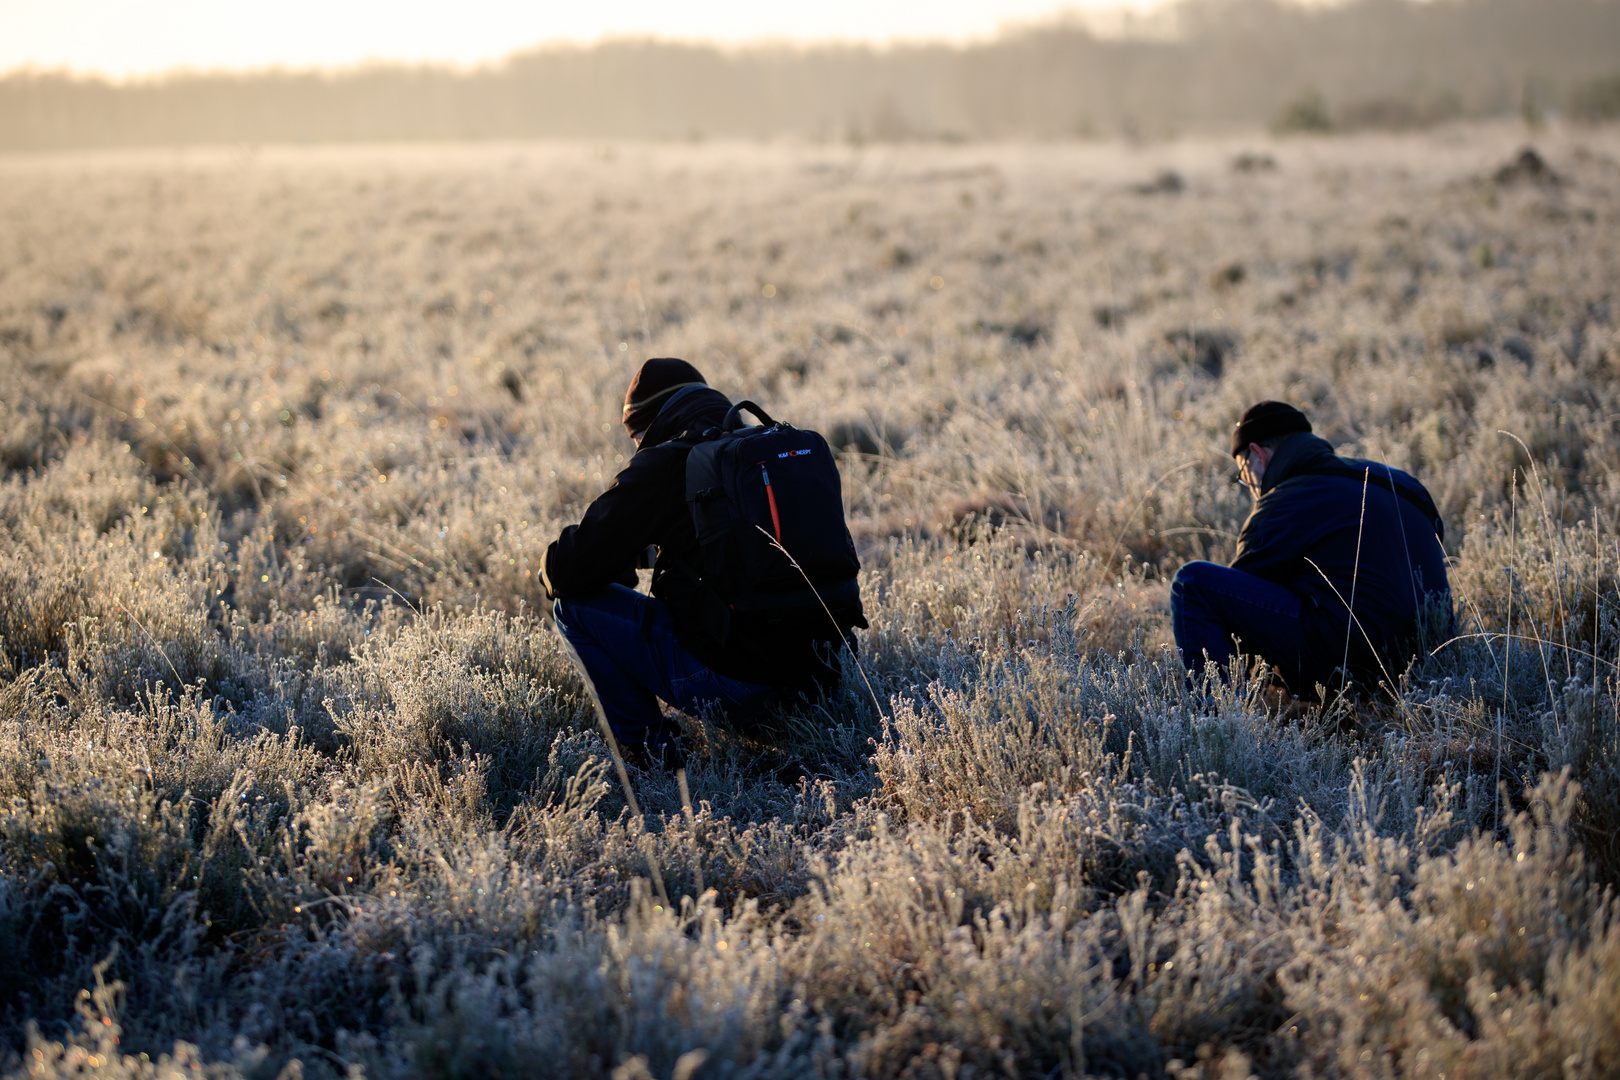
x,y
1401,476
651,466
1381,471
1361,465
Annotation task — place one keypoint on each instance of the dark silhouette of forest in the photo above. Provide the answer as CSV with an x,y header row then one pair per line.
x,y
1227,64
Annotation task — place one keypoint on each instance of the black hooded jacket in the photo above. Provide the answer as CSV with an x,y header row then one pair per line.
x,y
1331,528
646,506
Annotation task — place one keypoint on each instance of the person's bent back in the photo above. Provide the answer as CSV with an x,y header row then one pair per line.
x,y
1337,563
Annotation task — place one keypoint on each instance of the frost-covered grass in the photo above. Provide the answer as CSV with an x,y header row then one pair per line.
x,y
289,770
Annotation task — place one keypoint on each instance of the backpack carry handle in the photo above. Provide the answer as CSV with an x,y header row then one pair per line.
x,y
733,419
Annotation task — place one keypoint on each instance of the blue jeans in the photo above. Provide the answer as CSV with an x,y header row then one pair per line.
x,y
1211,604
627,644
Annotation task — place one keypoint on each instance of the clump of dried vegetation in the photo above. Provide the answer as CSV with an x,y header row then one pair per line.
x,y
289,771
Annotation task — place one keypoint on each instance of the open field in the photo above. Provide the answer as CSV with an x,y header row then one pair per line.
x,y
289,769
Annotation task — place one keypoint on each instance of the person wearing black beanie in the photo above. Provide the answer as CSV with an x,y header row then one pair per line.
x,y
637,648
1339,566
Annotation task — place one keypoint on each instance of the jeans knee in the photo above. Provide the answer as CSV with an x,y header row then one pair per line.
x,y
1194,572
573,615
1188,578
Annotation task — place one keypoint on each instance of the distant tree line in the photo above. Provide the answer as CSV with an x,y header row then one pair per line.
x,y
1225,64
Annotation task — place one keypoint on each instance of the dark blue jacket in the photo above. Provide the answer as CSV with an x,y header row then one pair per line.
x,y
1331,528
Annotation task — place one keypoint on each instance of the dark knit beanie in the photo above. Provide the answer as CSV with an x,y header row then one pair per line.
x,y
1266,421
651,387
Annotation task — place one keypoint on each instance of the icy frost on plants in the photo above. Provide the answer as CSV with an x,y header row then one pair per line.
x,y
289,770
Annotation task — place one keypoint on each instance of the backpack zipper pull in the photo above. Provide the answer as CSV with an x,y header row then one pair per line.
x,y
770,494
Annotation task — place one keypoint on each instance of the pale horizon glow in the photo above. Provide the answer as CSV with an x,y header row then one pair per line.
x,y
131,38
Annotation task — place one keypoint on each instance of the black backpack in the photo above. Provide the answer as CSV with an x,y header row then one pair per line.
x,y
762,500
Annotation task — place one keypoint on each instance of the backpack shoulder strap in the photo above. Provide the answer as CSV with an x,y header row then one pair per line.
x,y
693,436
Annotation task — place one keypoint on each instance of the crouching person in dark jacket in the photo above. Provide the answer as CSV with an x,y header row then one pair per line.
x,y
637,649
1336,565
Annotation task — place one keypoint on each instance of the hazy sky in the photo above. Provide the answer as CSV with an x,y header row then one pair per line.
x,y
134,37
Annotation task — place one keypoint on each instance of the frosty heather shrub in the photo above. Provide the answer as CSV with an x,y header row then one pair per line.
x,y
294,780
